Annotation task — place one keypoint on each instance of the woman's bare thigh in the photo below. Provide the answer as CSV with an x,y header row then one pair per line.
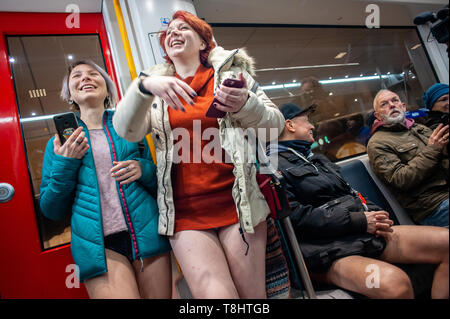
x,y
154,276
248,271
118,283
202,261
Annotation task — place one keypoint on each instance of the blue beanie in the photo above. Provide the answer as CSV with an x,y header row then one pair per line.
x,y
434,93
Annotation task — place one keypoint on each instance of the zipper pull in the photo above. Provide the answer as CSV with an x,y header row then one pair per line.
x,y
363,202
243,238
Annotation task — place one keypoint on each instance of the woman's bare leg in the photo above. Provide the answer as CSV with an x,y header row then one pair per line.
x,y
118,283
155,281
421,245
248,272
203,263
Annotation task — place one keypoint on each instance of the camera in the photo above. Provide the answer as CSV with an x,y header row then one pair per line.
x,y
439,21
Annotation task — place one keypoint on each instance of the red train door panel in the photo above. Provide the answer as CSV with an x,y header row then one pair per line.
x,y
35,50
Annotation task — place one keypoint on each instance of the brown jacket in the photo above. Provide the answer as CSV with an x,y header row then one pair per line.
x,y
416,172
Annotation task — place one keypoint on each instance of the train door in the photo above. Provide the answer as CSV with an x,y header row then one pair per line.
x,y
35,50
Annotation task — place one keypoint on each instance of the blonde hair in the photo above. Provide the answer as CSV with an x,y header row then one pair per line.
x,y
110,99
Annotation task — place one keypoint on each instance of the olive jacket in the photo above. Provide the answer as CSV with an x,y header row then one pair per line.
x,y
416,173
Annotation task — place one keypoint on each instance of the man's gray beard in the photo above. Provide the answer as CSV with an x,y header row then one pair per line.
x,y
399,119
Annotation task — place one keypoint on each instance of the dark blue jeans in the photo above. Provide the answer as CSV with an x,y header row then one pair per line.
x,y
439,217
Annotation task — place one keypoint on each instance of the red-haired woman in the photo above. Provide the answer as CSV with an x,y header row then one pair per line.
x,y
212,208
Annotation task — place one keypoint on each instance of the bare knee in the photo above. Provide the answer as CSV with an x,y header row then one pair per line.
x,y
444,238
440,244
211,287
254,292
395,284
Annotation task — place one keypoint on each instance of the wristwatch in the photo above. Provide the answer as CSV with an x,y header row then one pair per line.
x,y
141,86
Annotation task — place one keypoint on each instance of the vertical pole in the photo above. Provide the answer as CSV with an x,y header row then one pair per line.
x,y
287,225
130,61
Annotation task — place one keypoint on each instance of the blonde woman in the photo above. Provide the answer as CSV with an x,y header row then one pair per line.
x,y
107,184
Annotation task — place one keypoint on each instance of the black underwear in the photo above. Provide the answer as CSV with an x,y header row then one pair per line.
x,y
120,243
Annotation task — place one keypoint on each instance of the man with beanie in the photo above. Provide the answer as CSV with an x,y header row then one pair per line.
x,y
436,101
411,159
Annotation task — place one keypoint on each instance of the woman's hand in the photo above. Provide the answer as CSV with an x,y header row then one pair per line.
x,y
126,172
74,147
233,99
169,88
378,223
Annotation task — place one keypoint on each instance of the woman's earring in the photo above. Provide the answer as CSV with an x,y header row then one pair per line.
x,y
70,102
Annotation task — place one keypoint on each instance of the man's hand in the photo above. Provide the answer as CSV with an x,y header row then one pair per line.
x,y
439,137
378,222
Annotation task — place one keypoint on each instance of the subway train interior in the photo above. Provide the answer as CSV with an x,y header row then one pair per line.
x,y
336,54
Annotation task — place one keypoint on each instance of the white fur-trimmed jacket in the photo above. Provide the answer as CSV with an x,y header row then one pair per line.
x,y
139,114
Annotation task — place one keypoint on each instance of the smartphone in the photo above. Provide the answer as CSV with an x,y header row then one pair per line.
x,y
66,124
212,111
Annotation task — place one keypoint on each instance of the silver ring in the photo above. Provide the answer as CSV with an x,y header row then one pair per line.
x,y
128,168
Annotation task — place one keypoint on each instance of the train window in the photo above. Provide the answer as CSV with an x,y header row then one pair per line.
x,y
340,69
38,65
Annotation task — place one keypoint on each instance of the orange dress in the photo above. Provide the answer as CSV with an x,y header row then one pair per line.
x,y
202,181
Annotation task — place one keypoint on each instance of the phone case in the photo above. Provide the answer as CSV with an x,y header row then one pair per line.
x,y
212,111
65,124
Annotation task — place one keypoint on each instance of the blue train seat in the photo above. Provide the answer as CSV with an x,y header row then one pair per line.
x,y
358,173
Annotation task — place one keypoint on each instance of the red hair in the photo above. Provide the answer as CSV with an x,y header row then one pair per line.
x,y
202,28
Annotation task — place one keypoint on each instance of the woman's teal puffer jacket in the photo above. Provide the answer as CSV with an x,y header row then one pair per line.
x,y
70,185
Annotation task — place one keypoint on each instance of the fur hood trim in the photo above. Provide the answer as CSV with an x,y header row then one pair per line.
x,y
240,59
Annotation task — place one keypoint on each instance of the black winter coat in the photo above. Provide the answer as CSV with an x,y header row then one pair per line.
x,y
326,232
435,118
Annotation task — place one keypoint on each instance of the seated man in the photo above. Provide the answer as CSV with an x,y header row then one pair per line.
x,y
343,237
436,100
411,159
